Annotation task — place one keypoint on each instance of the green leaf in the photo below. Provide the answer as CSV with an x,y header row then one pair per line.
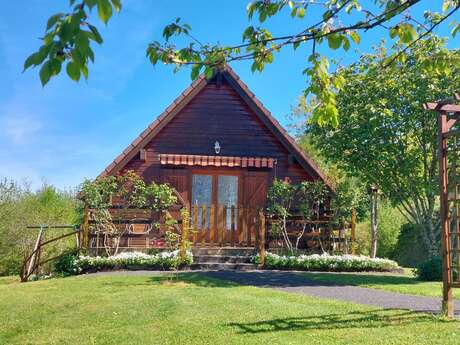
x,y
55,66
77,57
53,20
456,30
334,41
96,35
345,43
300,12
32,60
73,71
45,73
355,37
104,10
209,72
117,5
407,33
195,71
84,71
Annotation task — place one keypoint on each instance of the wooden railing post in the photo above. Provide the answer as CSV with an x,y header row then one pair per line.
x,y
85,229
261,238
353,231
184,235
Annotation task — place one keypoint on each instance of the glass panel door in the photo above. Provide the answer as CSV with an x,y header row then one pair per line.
x,y
227,195
202,195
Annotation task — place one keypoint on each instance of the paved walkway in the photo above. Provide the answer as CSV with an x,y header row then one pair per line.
x,y
297,283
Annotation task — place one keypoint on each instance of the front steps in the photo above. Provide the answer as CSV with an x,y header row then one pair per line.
x,y
223,258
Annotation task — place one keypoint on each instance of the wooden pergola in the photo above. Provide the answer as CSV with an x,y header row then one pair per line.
x,y
449,187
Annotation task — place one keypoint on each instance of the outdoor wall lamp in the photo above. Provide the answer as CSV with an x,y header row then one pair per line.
x,y
217,147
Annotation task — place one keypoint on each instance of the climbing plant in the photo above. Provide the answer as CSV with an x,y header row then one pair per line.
x,y
126,190
304,201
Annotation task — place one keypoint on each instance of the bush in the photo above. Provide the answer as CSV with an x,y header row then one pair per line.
x,y
134,260
326,262
410,250
66,265
430,270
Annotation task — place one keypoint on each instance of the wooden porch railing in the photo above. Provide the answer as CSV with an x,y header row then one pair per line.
x,y
225,226
208,225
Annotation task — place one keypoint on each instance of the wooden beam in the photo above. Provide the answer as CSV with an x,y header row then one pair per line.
x,y
447,295
441,106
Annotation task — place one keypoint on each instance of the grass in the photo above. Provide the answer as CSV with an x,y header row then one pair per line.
x,y
193,310
405,284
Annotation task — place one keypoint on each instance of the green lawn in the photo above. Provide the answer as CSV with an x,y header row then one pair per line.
x,y
193,310
406,284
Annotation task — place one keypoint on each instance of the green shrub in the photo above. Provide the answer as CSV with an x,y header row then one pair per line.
x,y
430,270
66,265
410,250
166,260
326,262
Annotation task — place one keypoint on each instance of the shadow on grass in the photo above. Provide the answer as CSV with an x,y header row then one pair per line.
x,y
271,279
362,279
196,279
359,319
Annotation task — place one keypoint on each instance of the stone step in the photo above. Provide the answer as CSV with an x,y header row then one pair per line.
x,y
223,266
226,251
222,258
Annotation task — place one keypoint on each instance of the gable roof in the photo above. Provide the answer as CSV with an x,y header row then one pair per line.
x,y
250,99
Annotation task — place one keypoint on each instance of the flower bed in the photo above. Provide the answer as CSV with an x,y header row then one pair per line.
x,y
326,262
129,260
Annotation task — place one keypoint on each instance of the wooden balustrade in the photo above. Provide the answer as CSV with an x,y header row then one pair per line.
x,y
227,226
208,225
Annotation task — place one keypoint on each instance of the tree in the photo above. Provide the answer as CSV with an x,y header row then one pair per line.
x,y
21,207
303,200
385,137
69,36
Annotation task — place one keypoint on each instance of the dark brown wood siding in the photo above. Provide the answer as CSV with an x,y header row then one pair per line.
x,y
215,114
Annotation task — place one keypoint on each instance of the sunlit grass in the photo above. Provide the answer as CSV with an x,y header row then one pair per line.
x,y
405,284
194,310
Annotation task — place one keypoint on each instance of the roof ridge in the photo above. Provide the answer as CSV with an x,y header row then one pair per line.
x,y
180,101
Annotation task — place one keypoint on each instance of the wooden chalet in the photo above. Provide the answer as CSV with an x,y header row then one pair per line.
x,y
220,148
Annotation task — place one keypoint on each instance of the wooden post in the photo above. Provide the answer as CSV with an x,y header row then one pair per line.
x,y
447,297
203,225
184,235
353,231
220,211
261,239
212,225
195,224
224,227
232,226
85,229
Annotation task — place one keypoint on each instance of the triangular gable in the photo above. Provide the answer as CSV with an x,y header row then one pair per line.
x,y
249,98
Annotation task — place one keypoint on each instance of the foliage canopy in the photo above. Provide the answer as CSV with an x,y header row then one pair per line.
x,y
69,38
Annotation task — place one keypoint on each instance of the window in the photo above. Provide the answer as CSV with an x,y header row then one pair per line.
x,y
202,195
218,190
228,195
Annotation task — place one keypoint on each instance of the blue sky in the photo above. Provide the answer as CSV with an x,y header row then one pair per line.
x,y
67,131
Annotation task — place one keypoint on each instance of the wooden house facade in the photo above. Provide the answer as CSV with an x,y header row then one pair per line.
x,y
216,144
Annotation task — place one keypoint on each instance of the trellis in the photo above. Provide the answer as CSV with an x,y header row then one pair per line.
x,y
449,184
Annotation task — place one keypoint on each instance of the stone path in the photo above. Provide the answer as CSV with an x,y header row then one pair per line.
x,y
297,283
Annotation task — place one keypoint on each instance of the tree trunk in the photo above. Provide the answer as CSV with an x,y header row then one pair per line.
x,y
374,224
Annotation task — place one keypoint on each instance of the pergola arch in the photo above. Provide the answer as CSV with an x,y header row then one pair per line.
x,y
449,188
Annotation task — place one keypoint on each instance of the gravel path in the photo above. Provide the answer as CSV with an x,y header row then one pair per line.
x,y
297,283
